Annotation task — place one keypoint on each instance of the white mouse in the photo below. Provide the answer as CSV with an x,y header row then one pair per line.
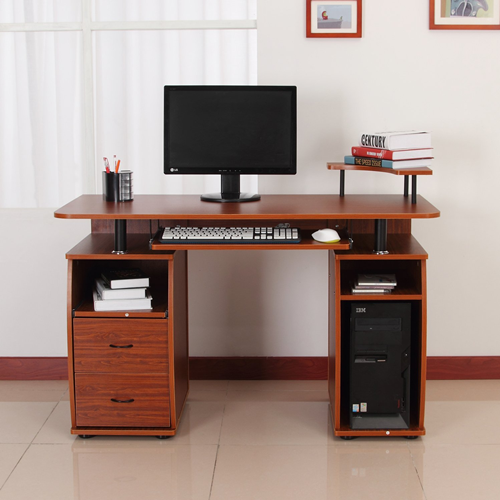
x,y
326,235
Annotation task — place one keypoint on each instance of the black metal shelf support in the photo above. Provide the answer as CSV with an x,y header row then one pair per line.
x,y
120,237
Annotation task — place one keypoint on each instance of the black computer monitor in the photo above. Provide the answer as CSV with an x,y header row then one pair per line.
x,y
230,130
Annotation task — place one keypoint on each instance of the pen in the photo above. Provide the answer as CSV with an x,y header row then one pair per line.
x,y
106,165
117,166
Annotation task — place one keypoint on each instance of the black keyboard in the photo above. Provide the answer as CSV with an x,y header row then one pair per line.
x,y
229,235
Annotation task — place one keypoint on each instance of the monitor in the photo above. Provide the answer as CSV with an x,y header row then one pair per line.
x,y
230,130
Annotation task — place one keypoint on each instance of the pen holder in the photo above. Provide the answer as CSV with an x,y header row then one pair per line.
x,y
110,190
117,186
125,185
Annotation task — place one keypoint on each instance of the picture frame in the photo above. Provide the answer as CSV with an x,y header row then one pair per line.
x,y
334,18
464,14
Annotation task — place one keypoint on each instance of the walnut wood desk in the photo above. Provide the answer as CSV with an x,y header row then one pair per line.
x,y
128,371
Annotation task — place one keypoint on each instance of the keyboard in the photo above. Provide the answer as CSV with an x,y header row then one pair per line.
x,y
229,235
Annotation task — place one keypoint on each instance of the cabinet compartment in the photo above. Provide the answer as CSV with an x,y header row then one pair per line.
x,y
408,262
122,400
127,345
408,276
86,271
414,373
128,370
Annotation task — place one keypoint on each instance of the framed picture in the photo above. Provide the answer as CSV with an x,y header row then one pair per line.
x,y
333,18
464,14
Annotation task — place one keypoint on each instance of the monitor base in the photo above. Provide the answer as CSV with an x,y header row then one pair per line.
x,y
230,197
230,191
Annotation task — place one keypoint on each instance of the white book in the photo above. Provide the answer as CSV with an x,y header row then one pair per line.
x,y
377,279
411,139
122,304
372,291
107,293
125,278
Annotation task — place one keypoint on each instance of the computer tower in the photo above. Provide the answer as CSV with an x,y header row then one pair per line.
x,y
379,371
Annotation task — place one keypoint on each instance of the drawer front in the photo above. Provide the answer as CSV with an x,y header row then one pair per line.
x,y
122,400
125,345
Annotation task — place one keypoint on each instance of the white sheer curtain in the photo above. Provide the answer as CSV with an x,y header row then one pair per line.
x,y
42,111
131,69
41,118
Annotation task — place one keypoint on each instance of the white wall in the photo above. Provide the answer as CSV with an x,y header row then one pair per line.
x,y
33,286
399,75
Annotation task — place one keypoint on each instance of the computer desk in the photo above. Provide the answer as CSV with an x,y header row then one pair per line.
x,y
128,371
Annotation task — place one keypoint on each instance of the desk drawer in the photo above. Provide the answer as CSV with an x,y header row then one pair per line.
x,y
126,345
122,400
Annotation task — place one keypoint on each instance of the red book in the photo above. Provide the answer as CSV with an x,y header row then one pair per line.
x,y
385,154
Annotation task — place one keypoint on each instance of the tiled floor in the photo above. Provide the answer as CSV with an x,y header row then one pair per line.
x,y
255,440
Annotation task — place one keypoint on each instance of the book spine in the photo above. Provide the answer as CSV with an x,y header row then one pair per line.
x,y
375,141
383,154
364,162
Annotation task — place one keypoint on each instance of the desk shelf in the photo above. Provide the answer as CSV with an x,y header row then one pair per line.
x,y
407,260
406,173
127,356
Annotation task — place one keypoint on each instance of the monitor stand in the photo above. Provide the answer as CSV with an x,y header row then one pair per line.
x,y
230,191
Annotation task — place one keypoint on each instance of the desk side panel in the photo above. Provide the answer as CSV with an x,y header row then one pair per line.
x,y
178,316
332,338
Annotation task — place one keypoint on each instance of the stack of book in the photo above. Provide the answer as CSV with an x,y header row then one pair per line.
x,y
374,284
122,290
396,150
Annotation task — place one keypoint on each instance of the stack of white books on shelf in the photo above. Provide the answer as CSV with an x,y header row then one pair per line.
x,y
395,150
122,290
374,284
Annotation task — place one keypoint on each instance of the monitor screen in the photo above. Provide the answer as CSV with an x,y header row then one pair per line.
x,y
230,130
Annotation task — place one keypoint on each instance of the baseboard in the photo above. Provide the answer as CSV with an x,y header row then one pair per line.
x,y
260,368
32,368
463,367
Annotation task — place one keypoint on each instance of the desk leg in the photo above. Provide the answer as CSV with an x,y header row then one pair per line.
x,y
380,237
342,182
120,236
406,190
414,189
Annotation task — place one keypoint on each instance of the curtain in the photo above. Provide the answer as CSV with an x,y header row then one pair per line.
x,y
42,112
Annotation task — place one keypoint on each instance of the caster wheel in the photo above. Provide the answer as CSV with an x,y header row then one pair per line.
x,y
348,438
85,436
411,437
163,437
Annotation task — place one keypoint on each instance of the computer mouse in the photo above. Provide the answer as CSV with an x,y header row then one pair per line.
x,y
326,235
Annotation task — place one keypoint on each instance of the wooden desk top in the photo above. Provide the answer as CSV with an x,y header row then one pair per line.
x,y
277,207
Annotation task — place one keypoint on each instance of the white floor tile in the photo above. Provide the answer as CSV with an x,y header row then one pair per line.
x,y
252,440
56,430
117,471
32,390
200,423
20,422
463,390
457,472
254,423
461,422
10,454
278,385
315,472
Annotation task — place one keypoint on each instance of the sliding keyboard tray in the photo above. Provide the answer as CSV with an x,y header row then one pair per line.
x,y
306,242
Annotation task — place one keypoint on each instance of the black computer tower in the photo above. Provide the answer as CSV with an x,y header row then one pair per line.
x,y
379,371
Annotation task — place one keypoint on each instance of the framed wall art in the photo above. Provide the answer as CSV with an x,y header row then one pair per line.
x,y
464,14
333,18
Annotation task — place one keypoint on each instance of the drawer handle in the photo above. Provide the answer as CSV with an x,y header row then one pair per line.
x,y
121,346
131,400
